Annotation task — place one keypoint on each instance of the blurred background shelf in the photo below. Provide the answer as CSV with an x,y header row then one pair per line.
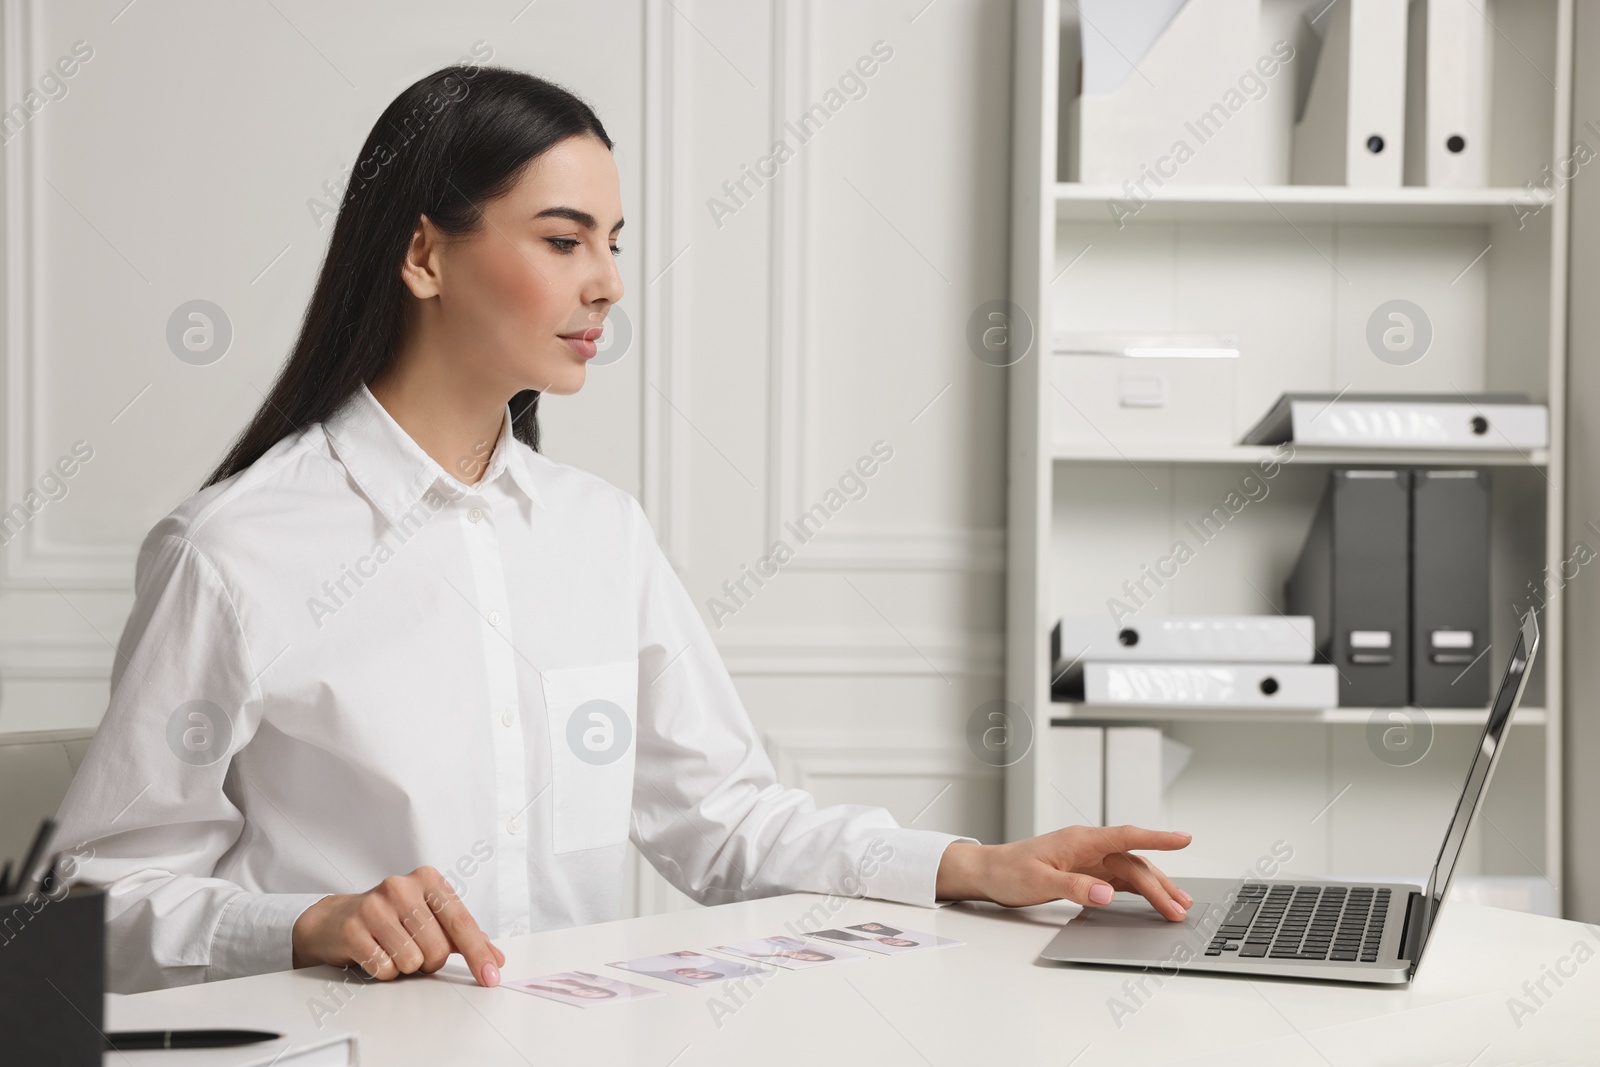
x,y
1250,454
1294,203
1073,713
1294,276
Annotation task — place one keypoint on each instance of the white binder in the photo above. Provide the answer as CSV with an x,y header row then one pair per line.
x,y
1466,423
1212,685
1184,638
1447,99
1353,129
1133,776
1077,776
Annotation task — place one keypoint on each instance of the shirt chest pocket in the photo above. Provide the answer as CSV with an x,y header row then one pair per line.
x,y
592,713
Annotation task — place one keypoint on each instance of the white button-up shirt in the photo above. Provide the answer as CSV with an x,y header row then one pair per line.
x,y
343,663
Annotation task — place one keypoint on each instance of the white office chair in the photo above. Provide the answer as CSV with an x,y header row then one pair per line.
x,y
35,770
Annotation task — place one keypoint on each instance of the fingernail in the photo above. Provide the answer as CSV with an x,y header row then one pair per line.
x,y
1184,898
1183,833
491,974
1100,894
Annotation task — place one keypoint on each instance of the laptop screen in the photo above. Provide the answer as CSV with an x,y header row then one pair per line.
x,y
1483,760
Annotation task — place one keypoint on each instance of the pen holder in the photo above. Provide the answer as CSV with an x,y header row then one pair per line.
x,y
52,978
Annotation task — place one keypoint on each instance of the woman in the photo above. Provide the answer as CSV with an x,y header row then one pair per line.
x,y
394,682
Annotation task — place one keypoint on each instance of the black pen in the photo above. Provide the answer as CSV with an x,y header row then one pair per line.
x,y
142,1039
47,884
26,878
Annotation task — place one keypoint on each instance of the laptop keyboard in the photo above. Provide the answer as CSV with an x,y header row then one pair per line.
x,y
1303,922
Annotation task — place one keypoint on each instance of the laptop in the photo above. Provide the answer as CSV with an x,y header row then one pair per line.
x,y
1329,930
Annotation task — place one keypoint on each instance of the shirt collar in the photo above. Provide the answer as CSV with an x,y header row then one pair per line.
x,y
393,470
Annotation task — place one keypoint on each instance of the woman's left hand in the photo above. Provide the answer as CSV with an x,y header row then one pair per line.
x,y
1084,864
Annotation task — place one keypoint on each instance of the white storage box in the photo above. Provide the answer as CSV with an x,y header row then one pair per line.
x,y
1127,391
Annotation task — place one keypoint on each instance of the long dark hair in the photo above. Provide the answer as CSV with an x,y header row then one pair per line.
x,y
450,142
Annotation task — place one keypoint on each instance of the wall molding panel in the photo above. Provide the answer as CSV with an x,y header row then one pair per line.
x,y
919,549
802,757
786,274
32,560
664,328
49,659
813,651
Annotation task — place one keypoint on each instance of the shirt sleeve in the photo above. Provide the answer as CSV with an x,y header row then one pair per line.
x,y
153,807
708,810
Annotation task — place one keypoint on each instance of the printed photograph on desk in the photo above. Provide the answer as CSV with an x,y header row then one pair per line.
x,y
791,952
691,968
582,989
889,940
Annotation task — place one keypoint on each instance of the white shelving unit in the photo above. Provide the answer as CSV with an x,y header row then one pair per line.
x,y
1293,271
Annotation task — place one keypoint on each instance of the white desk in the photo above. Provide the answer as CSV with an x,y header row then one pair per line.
x,y
987,1002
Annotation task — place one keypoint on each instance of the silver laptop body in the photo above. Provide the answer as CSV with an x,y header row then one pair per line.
x,y
1328,930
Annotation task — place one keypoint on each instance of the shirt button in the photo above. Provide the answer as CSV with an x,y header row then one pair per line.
x,y
509,718
476,514
513,826
518,929
494,618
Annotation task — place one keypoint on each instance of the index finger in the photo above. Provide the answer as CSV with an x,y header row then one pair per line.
x,y
1141,877
1126,838
461,928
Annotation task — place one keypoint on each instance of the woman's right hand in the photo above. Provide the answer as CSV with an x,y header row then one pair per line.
x,y
404,924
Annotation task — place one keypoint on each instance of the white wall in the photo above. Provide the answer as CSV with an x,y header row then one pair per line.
x,y
773,346
179,165
826,315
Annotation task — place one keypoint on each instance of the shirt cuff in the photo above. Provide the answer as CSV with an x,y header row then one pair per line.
x,y
255,933
903,866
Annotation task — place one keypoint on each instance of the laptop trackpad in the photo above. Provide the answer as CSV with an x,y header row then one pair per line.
x,y
1130,930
